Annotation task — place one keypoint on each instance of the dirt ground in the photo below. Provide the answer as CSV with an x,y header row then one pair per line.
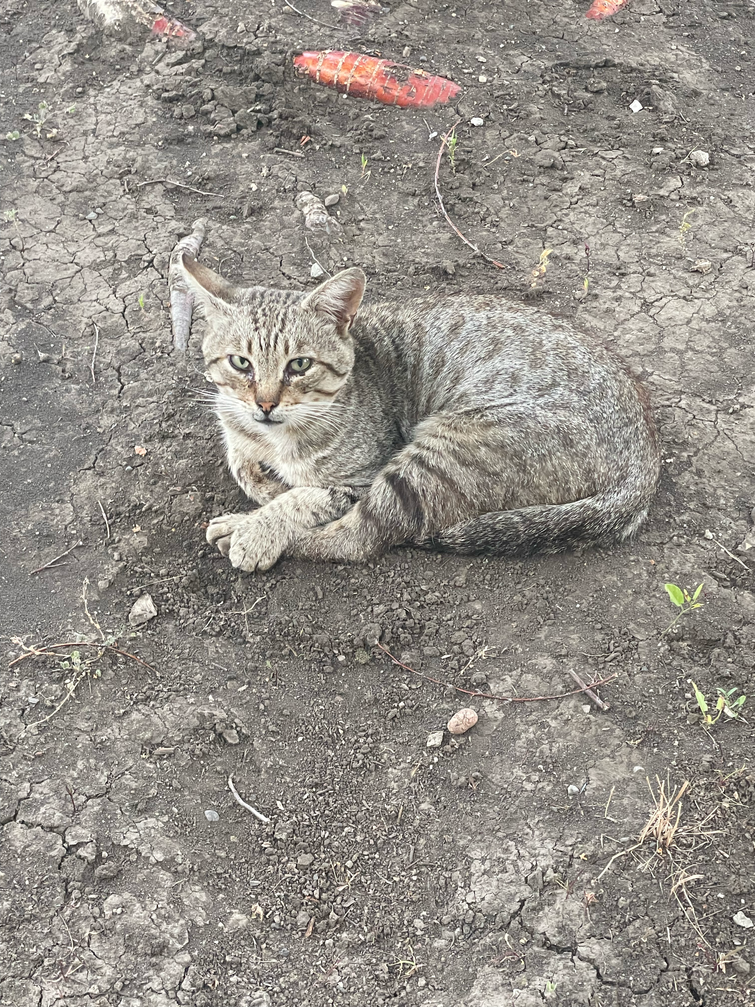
x,y
479,872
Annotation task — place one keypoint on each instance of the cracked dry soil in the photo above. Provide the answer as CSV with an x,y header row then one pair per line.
x,y
388,872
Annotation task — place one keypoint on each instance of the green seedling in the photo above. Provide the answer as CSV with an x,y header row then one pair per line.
x,y
726,704
365,173
39,118
13,135
140,301
9,216
685,227
682,599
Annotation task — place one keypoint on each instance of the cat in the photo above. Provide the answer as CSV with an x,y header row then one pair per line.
x,y
465,424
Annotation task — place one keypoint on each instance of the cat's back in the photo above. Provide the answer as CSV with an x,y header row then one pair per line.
x,y
487,349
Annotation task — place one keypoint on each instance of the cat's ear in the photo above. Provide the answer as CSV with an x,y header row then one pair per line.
x,y
210,290
338,298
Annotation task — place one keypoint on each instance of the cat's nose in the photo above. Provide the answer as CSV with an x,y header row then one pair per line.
x,y
267,407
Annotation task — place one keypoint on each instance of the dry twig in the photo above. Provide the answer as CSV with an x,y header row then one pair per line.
x,y
52,563
475,693
309,16
47,651
443,210
180,185
94,351
589,693
240,800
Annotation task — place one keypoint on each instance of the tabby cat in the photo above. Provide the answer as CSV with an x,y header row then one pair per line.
x,y
465,424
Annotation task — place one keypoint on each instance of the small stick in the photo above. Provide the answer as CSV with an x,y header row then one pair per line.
x,y
181,299
282,150
309,16
443,210
94,352
588,692
180,185
52,562
729,554
45,651
104,518
257,814
306,242
486,695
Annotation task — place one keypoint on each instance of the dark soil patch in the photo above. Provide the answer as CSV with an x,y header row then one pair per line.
x,y
390,872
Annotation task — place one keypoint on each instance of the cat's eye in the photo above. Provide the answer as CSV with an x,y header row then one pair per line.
x,y
299,365
239,363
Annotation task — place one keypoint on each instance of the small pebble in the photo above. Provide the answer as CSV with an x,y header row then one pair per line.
x,y
435,740
212,816
462,720
316,271
700,158
477,121
572,790
332,199
483,79
16,358
742,920
636,106
142,610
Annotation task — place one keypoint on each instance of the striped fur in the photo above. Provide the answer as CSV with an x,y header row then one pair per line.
x,y
465,424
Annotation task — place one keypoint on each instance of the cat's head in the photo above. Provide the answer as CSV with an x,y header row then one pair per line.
x,y
277,358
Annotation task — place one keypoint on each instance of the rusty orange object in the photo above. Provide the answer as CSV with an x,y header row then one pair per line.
x,y
605,8
173,28
378,79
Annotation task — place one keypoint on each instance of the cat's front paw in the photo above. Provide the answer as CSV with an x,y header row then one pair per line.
x,y
250,541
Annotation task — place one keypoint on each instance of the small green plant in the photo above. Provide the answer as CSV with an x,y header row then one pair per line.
x,y
683,600
685,227
141,301
9,216
452,144
13,135
39,118
365,173
726,703
550,986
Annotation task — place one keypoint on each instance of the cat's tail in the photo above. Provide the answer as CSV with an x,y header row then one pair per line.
x,y
602,519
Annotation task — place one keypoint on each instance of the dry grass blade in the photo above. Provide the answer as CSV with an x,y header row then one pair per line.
x,y
662,825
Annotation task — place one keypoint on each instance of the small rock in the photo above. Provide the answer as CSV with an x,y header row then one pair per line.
x,y
142,610
237,921
104,872
699,158
332,199
547,159
701,266
595,85
434,740
316,271
572,790
230,736
16,358
743,921
212,816
636,106
462,720
477,121
305,860
482,79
